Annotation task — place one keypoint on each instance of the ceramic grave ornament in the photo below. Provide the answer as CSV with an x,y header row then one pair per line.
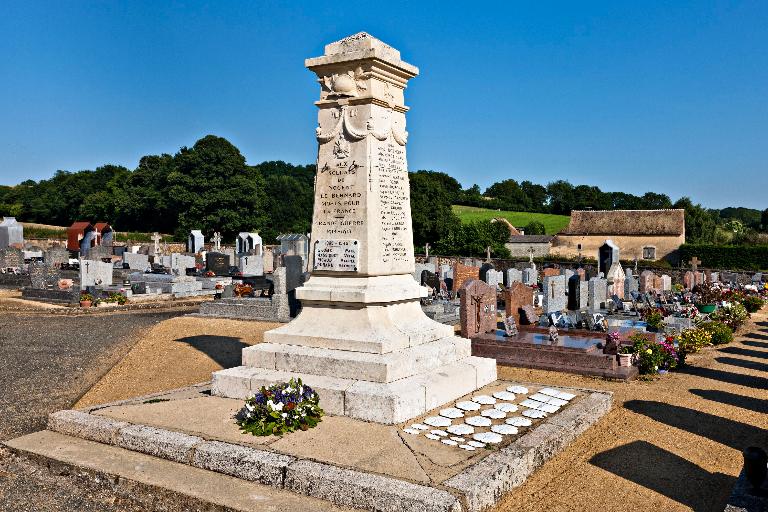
x,y
361,325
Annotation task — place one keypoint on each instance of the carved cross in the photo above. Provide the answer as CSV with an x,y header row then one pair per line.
x,y
695,262
156,238
477,302
426,250
217,241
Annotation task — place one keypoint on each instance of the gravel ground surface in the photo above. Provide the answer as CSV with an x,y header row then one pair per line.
x,y
179,352
48,362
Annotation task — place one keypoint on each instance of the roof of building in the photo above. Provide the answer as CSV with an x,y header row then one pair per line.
x,y
530,239
626,222
101,227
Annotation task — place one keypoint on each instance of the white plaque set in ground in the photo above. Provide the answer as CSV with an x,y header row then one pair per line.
x,y
361,339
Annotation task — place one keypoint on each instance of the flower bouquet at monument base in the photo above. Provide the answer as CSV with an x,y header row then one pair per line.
x,y
279,409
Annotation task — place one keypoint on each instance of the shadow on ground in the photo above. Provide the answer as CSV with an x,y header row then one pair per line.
x,y
739,379
225,350
758,344
739,351
663,472
745,402
756,335
731,433
743,363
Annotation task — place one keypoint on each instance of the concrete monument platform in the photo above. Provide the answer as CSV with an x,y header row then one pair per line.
x,y
343,461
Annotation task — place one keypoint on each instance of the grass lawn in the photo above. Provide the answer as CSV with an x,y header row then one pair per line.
x,y
552,223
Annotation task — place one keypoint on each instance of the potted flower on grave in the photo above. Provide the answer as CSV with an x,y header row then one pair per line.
x,y
707,297
280,409
626,355
86,300
654,319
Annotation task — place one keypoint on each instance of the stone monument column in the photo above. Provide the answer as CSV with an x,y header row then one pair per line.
x,y
362,339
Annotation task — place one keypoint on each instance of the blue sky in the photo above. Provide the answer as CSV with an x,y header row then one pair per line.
x,y
632,96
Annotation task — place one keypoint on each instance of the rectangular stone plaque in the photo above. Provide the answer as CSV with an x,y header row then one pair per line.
x,y
337,255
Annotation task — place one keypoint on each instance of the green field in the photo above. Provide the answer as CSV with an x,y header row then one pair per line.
x,y
552,223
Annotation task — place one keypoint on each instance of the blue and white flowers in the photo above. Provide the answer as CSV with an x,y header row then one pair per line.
x,y
279,409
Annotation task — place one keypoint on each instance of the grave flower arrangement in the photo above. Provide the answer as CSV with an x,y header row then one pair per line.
x,y
653,355
732,314
654,317
691,341
280,409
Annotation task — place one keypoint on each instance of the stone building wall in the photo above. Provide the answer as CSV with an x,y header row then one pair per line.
x,y
630,246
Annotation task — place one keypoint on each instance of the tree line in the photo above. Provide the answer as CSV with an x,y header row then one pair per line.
x,y
209,186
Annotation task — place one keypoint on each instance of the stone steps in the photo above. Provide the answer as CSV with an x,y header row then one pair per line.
x,y
156,482
364,366
388,403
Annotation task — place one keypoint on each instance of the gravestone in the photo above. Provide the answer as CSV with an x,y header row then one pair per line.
x,y
657,284
430,279
597,292
95,273
616,280
581,273
420,267
218,263
252,265
530,276
195,241
136,261
361,306
631,284
484,268
462,273
549,272
515,297
607,255
139,287
56,256
293,272
583,294
715,276
44,276
11,233
493,278
567,273
446,271
11,257
513,276
554,293
478,309
574,287
99,253
528,315
698,278
180,263
688,280
269,260
647,278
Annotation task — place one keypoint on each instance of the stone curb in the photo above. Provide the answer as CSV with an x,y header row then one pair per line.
x,y
483,484
365,490
241,462
339,486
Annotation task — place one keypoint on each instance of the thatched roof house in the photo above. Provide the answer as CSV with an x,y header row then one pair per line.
x,y
641,234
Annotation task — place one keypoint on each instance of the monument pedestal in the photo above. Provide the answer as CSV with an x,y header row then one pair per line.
x,y
362,340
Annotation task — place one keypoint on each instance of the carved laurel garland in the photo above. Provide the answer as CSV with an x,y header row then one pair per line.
x,y
345,123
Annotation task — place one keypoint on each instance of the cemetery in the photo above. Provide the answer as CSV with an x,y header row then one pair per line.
x,y
338,369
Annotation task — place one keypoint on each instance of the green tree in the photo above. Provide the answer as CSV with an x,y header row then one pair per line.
x,y
537,196
212,188
699,223
431,212
535,228
560,196
654,201
764,220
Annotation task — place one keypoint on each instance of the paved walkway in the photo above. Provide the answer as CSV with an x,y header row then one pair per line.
x,y
48,363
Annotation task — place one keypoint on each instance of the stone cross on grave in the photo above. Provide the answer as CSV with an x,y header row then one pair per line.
x,y
488,253
695,262
426,250
530,254
217,241
156,239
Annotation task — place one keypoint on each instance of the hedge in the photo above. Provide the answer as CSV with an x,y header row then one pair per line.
x,y
730,257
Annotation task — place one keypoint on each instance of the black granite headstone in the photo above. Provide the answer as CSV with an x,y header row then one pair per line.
x,y
218,263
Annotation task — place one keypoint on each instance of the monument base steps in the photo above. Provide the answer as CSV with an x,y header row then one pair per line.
x,y
181,450
380,402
